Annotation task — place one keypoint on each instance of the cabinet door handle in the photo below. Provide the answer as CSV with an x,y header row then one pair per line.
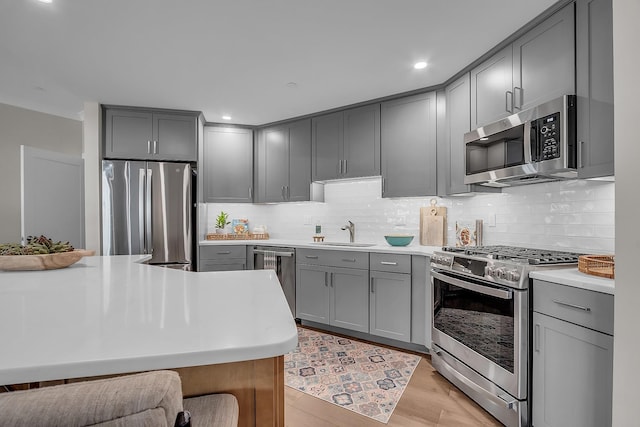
x,y
349,259
250,192
288,192
331,280
517,89
579,154
339,167
388,263
508,105
224,253
282,192
345,166
148,146
372,286
577,307
536,338
155,147
326,281
311,256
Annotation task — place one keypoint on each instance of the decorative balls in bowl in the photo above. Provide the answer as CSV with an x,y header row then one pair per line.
x,y
398,239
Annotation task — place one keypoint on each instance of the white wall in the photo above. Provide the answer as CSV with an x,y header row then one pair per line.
x,y
568,215
17,127
92,166
626,375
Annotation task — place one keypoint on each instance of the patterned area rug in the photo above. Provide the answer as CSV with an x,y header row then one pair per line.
x,y
361,377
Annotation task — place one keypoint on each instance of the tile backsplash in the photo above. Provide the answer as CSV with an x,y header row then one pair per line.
x,y
575,215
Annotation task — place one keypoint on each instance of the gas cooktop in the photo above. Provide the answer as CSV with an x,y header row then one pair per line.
x,y
518,254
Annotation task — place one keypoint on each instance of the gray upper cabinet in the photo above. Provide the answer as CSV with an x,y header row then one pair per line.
x,y
537,67
228,164
408,146
149,135
456,123
283,166
544,61
594,78
492,89
346,144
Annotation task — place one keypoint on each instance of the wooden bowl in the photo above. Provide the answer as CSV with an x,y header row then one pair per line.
x,y
42,262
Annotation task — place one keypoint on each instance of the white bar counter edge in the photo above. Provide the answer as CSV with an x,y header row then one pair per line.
x,y
112,315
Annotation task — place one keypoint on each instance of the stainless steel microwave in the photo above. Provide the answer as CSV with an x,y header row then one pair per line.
x,y
534,145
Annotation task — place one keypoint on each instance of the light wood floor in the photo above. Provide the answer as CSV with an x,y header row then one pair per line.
x,y
428,401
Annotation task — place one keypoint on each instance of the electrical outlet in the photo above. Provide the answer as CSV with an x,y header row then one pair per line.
x,y
490,220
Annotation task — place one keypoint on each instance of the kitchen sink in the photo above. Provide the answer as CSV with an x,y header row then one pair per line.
x,y
352,244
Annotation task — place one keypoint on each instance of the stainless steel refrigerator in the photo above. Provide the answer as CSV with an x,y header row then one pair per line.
x,y
147,208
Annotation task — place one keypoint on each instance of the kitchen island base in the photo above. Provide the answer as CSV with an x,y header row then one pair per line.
x,y
257,384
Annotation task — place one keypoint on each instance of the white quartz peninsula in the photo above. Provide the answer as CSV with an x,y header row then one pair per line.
x,y
114,315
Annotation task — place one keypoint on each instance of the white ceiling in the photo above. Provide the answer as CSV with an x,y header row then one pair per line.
x,y
238,57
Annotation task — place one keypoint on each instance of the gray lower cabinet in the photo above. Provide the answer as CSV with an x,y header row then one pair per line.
x,y
537,67
283,166
328,292
594,88
346,144
228,165
572,376
420,300
149,134
222,258
408,146
390,296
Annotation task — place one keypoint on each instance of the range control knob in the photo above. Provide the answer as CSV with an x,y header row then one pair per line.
x,y
500,273
512,276
490,271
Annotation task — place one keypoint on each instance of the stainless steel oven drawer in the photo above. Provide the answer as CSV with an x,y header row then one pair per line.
x,y
593,310
393,263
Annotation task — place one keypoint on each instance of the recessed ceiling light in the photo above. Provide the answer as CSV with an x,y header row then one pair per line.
x,y
420,65
45,1
226,117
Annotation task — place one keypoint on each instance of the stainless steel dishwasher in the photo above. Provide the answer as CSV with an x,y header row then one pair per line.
x,y
283,261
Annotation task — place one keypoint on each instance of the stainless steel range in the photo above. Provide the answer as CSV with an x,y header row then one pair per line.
x,y
481,323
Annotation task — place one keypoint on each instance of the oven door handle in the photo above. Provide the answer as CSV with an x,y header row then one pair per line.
x,y
276,253
486,290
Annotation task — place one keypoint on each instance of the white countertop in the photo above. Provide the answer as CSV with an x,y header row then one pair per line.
x,y
575,278
106,315
414,248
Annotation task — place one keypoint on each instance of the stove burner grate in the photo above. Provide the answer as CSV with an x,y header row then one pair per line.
x,y
531,255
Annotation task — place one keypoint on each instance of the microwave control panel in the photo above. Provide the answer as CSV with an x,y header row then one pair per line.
x,y
545,135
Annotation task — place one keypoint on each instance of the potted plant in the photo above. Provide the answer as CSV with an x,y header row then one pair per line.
x,y
222,220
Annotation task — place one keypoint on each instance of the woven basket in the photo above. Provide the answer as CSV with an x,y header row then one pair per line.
x,y
597,265
246,236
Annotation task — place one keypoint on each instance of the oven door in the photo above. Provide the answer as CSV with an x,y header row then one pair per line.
x,y
483,326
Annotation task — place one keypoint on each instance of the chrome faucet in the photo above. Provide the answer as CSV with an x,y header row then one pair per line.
x,y
352,231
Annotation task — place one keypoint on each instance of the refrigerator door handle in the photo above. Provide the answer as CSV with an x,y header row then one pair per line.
x,y
148,212
142,183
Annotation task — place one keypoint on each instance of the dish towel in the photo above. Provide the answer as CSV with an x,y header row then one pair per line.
x,y
270,261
